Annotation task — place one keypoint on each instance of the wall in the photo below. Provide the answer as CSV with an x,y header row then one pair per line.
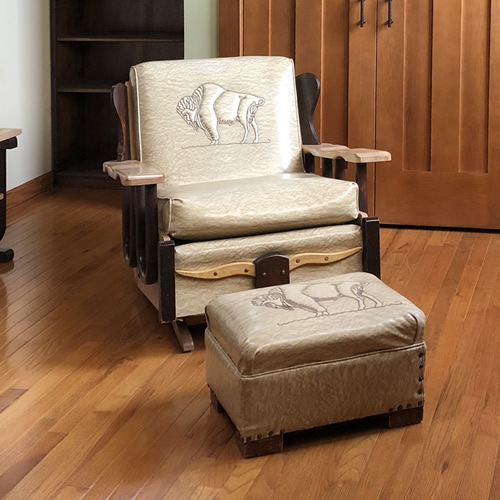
x,y
200,25
25,86
25,75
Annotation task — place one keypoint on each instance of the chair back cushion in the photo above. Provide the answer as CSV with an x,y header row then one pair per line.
x,y
217,119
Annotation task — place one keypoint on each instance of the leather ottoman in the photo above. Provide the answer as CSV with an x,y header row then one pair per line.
x,y
293,357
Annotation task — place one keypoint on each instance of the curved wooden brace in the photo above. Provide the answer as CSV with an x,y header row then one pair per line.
x,y
119,102
223,271
248,268
308,88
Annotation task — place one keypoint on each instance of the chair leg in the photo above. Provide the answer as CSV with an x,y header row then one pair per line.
x,y
6,255
183,335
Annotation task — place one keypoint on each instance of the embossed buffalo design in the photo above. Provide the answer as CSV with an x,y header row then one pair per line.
x,y
211,104
309,297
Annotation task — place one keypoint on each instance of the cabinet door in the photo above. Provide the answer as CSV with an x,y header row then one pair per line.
x,y
324,38
437,112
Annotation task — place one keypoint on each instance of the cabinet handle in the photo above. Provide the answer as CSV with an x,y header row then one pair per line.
x,y
390,21
362,20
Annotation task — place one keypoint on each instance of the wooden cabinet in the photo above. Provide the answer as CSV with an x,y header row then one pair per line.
x,y
425,87
93,45
438,95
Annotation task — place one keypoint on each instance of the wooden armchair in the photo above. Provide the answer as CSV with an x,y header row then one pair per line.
x,y
218,190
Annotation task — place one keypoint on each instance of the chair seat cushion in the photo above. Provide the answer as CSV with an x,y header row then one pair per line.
x,y
315,322
257,205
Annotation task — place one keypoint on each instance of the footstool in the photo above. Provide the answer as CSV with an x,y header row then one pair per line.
x,y
293,357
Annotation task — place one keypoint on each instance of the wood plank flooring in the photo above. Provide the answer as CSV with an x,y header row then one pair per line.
x,y
97,402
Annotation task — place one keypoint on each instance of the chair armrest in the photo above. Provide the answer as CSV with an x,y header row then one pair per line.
x,y
133,173
354,155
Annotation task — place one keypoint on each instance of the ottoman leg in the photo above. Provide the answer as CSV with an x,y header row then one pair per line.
x,y
258,447
401,418
255,448
215,402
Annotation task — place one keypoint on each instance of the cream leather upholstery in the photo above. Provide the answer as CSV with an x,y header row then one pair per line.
x,y
294,357
304,397
192,116
192,295
228,141
324,320
265,204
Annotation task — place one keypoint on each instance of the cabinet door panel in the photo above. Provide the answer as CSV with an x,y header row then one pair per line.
x,y
494,113
308,45
362,71
256,27
322,38
268,27
436,116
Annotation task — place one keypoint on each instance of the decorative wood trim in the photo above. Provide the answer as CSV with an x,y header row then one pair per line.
x,y
248,268
302,259
272,269
29,190
219,272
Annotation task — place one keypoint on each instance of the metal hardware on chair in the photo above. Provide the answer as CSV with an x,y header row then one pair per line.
x,y
390,21
362,20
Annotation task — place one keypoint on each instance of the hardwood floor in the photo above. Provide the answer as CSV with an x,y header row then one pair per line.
x,y
97,402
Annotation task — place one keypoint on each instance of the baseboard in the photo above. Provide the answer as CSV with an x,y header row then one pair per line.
x,y
29,189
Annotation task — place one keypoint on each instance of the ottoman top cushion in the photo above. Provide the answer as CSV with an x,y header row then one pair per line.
x,y
275,328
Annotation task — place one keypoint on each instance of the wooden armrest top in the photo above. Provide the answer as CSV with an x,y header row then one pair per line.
x,y
351,155
9,133
133,173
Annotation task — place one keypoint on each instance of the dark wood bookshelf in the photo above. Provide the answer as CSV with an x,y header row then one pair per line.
x,y
93,45
86,88
125,37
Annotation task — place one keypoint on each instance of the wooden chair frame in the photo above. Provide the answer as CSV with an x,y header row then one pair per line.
x,y
153,254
